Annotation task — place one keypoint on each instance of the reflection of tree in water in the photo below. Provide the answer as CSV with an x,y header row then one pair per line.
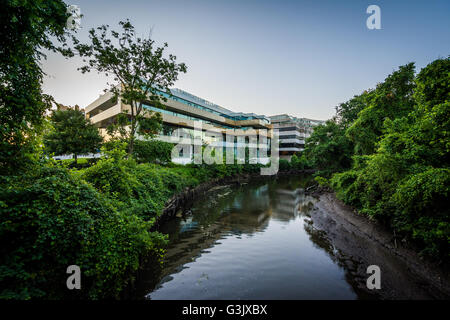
x,y
243,208
288,198
228,210
221,212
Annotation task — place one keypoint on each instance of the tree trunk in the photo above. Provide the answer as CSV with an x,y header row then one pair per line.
x,y
132,131
75,158
131,140
131,146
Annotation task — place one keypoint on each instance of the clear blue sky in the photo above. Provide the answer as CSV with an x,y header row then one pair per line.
x,y
268,57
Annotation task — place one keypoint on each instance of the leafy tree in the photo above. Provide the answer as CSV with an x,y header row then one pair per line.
x,y
328,149
26,29
405,182
299,161
72,134
139,67
347,112
391,99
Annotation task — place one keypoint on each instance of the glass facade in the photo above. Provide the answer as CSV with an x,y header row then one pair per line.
x,y
291,145
287,129
231,116
184,116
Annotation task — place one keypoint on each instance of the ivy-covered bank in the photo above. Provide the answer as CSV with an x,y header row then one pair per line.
x,y
98,218
386,153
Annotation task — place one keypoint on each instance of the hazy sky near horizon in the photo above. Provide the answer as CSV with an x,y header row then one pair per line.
x,y
268,57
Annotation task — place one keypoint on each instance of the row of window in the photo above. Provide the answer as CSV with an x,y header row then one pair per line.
x,y
291,145
169,130
291,136
184,116
198,106
290,129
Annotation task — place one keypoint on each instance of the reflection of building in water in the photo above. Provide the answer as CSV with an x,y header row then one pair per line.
x,y
249,210
187,224
240,212
291,203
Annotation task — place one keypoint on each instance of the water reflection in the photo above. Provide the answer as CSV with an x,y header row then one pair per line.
x,y
255,241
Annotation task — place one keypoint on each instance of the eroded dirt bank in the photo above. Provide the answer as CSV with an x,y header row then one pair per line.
x,y
358,242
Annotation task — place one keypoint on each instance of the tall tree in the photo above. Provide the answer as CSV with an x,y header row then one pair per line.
x,y
405,182
347,112
328,149
391,99
26,28
72,134
138,66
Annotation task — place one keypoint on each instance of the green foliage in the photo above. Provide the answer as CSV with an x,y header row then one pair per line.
x,y
153,151
347,112
346,188
115,149
54,219
433,83
140,69
322,181
284,165
328,149
72,133
403,178
143,189
421,209
297,162
391,99
26,29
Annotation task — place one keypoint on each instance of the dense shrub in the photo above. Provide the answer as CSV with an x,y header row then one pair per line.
x,y
54,219
400,173
153,151
296,163
328,149
284,165
300,162
97,218
421,209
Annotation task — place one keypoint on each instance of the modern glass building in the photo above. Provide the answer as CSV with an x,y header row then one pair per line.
x,y
182,115
292,133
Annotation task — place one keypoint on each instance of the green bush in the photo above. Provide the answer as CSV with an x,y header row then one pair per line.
x,y
400,172
284,165
97,218
421,202
54,219
153,151
346,188
299,162
322,181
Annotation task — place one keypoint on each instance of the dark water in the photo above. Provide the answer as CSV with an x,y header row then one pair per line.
x,y
254,241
